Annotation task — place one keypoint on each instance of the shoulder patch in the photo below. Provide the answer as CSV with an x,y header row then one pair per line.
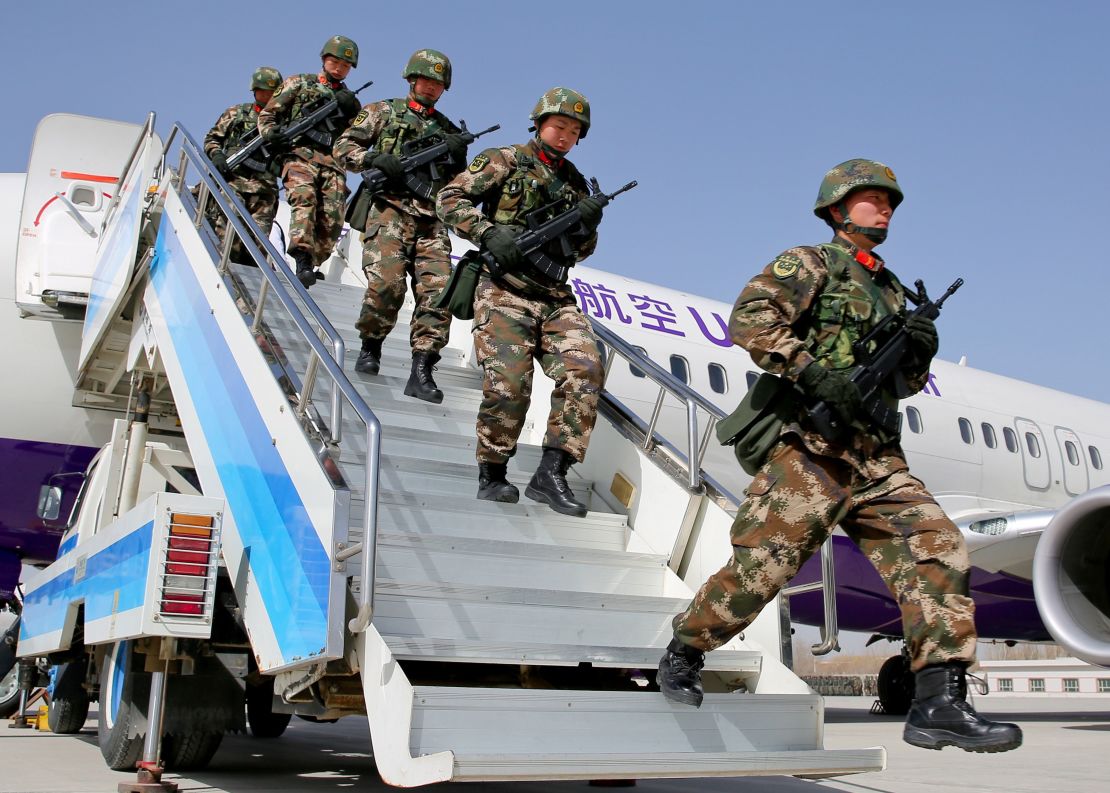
x,y
478,163
362,116
786,266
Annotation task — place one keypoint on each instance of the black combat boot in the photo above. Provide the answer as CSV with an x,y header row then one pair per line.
x,y
493,486
370,357
679,676
940,715
420,384
306,273
549,484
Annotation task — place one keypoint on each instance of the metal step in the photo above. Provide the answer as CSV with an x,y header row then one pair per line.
x,y
560,735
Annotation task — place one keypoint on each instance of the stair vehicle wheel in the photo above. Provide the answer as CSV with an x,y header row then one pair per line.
x,y
896,686
9,693
264,723
69,702
124,694
191,751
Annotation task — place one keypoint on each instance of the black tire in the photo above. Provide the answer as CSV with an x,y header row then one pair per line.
x,y
9,693
69,704
896,686
190,752
124,695
264,723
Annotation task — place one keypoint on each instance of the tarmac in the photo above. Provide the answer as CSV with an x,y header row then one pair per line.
x,y
1066,750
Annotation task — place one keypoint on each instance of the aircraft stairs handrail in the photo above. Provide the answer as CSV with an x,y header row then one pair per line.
x,y
293,299
695,447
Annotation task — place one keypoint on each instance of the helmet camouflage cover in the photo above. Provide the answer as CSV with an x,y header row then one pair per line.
x,y
563,102
432,64
852,175
341,47
265,78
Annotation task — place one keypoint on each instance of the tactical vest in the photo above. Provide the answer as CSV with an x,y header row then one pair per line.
x,y
245,120
853,302
530,186
310,94
405,126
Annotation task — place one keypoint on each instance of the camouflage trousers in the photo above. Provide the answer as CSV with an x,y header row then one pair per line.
x,y
397,247
262,207
315,194
793,503
509,331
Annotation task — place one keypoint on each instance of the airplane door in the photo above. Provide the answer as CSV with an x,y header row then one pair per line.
x,y
1034,454
1075,465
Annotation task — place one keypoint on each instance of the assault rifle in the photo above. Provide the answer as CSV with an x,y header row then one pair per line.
x,y
890,341
305,126
548,223
426,151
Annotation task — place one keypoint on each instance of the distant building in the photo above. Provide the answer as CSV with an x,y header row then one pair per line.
x,y
1052,677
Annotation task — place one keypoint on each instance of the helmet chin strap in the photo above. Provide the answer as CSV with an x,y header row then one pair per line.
x,y
874,233
549,151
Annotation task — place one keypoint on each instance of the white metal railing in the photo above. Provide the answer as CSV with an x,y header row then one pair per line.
x,y
281,291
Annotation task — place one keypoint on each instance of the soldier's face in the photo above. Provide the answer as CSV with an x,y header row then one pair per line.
x,y
869,207
560,132
262,97
337,69
430,90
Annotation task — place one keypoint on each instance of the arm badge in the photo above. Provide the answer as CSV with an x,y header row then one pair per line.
x,y
478,163
785,266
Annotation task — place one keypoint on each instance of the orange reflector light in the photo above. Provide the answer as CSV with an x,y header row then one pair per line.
x,y
181,519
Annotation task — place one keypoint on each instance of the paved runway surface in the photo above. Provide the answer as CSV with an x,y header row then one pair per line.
x,y
1067,749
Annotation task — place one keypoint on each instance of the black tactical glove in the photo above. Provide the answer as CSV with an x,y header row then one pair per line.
x,y
275,140
501,243
591,210
388,164
923,338
456,146
219,159
348,102
833,388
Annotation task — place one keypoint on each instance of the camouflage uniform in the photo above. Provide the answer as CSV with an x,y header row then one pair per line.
x,y
258,191
514,325
315,184
403,237
810,304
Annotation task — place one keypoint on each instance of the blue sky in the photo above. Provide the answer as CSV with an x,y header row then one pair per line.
x,y
993,115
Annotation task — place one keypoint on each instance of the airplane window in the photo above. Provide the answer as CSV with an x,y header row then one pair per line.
x,y
635,371
1036,685
1033,444
1096,458
1011,439
913,417
966,432
989,436
1073,453
718,379
680,369
751,377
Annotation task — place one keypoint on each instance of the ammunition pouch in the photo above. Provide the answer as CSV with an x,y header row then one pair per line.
x,y
358,208
458,296
753,428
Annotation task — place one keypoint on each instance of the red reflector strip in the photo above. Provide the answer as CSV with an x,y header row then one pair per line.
x,y
169,607
192,557
178,568
183,544
89,177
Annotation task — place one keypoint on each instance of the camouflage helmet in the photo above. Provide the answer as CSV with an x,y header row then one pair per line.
x,y
341,47
432,64
265,78
563,102
852,175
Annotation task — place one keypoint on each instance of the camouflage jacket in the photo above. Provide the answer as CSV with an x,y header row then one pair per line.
x,y
293,98
811,304
509,182
225,135
385,127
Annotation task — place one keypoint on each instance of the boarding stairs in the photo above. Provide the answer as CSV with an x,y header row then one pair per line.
x,y
483,641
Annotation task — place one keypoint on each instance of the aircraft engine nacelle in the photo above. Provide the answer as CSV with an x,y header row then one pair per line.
x,y
1071,576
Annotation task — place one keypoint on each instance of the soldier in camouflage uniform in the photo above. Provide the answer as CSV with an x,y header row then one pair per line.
x,y
256,189
315,184
519,313
403,239
799,319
